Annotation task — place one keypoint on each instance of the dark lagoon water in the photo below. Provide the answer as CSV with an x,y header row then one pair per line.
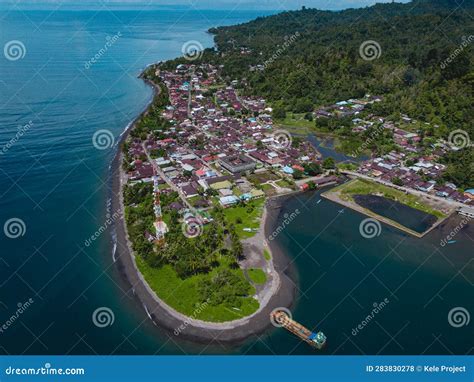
x,y
412,218
52,179
326,146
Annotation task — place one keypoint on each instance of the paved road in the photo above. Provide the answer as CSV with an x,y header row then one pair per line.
x,y
168,181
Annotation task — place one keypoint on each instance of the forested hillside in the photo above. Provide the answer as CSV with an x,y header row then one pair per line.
x,y
311,57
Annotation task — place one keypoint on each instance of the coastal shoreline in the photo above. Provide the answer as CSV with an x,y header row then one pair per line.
x,y
281,293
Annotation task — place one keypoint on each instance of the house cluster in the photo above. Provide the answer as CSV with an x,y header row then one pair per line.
x,y
421,175
411,164
349,108
214,137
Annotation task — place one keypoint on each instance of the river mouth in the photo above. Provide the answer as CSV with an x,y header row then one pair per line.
x,y
400,213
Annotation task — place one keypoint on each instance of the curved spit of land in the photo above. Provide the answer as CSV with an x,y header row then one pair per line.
x,y
278,292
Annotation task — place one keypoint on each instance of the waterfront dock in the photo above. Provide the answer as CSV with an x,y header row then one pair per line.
x,y
317,340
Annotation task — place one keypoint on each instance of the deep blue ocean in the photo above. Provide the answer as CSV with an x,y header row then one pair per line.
x,y
52,183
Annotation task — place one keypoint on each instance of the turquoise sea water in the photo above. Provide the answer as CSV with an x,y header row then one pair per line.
x,y
52,179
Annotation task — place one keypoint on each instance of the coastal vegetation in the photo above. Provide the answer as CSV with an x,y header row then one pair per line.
x,y
257,275
245,216
186,271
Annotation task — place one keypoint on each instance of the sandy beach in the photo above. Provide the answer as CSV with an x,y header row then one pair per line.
x,y
279,291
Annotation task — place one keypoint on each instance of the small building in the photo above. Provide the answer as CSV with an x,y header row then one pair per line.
x,y
227,201
237,163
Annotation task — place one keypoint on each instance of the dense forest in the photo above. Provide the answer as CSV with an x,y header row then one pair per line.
x,y
312,57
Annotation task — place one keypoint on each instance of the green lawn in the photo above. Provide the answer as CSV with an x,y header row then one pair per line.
x,y
268,189
262,177
284,183
267,255
183,296
295,123
347,166
366,187
257,275
248,214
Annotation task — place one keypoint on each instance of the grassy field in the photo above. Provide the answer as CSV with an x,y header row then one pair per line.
x,y
365,187
262,177
182,295
257,275
248,215
295,123
267,255
268,189
284,183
